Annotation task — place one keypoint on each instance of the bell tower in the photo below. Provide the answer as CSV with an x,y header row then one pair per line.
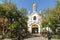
x,y
34,7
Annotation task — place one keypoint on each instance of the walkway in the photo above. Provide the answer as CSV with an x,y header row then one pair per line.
x,y
37,37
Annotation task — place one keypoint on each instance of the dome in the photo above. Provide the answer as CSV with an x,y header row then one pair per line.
x,y
34,5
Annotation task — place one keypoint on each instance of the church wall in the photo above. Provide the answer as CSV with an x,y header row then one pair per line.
x,y
32,21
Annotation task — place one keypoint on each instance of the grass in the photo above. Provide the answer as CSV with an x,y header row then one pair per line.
x,y
56,36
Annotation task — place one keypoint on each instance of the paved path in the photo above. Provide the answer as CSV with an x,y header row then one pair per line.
x,y
37,37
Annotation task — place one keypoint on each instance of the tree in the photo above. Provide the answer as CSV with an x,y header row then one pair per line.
x,y
52,17
15,17
24,17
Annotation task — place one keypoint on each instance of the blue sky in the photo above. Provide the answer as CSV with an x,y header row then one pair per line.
x,y
41,4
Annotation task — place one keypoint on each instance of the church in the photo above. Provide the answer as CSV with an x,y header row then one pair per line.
x,y
34,21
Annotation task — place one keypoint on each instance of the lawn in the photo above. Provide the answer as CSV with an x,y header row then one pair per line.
x,y
56,36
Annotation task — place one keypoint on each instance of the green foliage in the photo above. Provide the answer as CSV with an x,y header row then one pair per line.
x,y
24,11
56,36
15,18
45,30
52,17
44,24
7,35
13,26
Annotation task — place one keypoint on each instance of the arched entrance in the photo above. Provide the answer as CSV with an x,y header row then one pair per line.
x,y
34,29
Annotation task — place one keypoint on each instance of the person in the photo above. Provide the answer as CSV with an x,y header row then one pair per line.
x,y
49,35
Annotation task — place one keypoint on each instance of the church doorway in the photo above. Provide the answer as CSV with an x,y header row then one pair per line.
x,y
34,30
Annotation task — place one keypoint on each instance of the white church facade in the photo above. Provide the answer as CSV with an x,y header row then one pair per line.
x,y
34,21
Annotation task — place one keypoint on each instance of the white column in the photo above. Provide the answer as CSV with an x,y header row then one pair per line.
x,y
30,29
38,29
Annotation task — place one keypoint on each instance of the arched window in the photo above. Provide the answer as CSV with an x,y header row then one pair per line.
x,y
34,18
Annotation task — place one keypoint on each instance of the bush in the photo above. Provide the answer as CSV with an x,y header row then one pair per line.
x,y
56,36
9,35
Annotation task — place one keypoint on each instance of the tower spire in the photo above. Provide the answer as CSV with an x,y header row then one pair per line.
x,y
34,6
